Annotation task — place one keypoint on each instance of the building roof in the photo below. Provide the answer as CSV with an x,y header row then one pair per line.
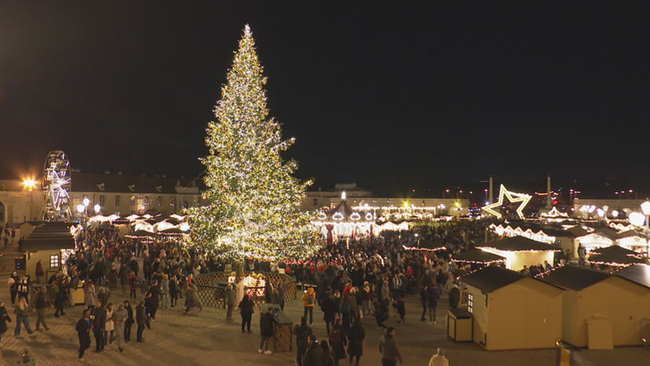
x,y
638,273
492,278
614,258
577,231
343,208
518,244
49,236
118,183
574,278
477,255
614,249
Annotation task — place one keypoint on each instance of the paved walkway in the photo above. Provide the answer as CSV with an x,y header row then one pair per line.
x,y
206,339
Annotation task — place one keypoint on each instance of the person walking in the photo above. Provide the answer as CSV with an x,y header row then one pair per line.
x,y
42,303
141,319
99,324
267,322
302,332
60,296
246,311
83,332
338,341
314,354
22,316
439,358
173,290
134,284
432,297
89,296
355,341
109,326
308,301
39,271
12,283
388,348
230,298
119,318
4,318
23,287
129,321
424,299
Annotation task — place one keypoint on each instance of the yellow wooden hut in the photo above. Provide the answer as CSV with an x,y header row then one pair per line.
x,y
600,310
512,311
50,243
520,251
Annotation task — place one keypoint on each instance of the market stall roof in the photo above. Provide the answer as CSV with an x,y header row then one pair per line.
x,y
574,278
638,273
49,236
172,232
492,278
519,244
577,231
343,208
425,245
477,256
614,259
614,250
141,234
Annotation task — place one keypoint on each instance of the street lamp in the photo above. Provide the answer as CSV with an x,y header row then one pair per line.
x,y
645,207
80,208
86,202
97,208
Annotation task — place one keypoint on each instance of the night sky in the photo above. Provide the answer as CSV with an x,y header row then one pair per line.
x,y
394,98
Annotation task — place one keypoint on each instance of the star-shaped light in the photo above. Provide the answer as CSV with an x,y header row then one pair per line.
x,y
512,197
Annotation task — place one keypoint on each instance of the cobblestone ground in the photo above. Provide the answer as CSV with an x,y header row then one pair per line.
x,y
206,339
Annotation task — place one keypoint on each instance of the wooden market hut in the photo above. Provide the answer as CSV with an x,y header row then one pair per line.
x,y
49,243
600,309
512,311
520,251
477,256
614,256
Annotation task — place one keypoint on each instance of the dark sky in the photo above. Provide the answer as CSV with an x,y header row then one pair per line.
x,y
391,97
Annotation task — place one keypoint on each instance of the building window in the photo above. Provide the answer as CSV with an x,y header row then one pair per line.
x,y
470,303
146,200
132,200
159,200
54,261
315,202
118,201
102,200
172,201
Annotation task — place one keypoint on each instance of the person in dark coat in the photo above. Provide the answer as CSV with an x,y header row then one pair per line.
x,y
141,319
314,354
424,299
454,297
338,341
355,341
432,297
99,324
302,332
246,311
267,321
129,321
327,354
329,306
4,318
155,299
83,332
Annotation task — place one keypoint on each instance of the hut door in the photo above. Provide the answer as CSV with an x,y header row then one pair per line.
x,y
538,327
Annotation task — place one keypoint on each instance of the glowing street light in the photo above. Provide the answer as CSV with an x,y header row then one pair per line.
x,y
29,184
637,218
81,208
86,201
97,208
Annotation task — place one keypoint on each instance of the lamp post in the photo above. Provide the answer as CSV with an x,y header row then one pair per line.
x,y
645,207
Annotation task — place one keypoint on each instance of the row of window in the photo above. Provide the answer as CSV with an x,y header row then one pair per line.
x,y
144,201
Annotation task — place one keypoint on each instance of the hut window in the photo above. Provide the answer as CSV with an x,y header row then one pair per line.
x,y
54,261
118,201
470,303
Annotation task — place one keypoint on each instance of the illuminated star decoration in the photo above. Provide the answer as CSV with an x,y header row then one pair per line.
x,y
512,197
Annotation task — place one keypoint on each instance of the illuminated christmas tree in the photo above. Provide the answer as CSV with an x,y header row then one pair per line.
x,y
252,197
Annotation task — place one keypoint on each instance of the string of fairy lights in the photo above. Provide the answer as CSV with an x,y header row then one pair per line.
x,y
252,196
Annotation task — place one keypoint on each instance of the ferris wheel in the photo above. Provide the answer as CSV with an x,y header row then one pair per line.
x,y
56,186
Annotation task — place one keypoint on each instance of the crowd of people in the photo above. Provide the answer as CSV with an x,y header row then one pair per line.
x,y
349,280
